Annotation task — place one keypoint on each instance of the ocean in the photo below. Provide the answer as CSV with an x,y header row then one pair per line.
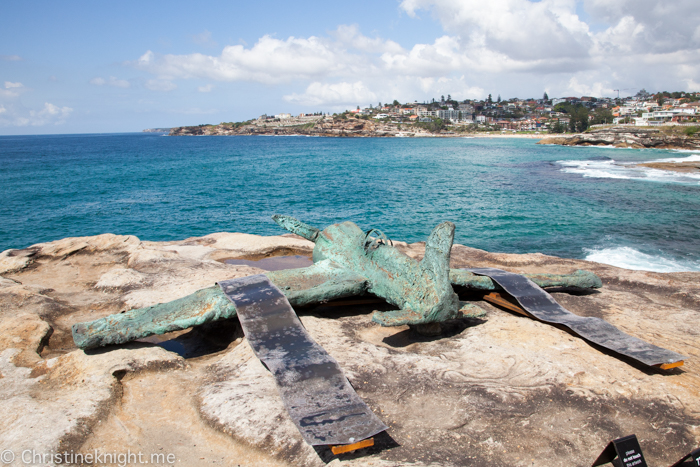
x,y
504,195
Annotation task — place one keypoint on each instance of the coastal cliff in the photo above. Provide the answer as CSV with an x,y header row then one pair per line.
x,y
321,126
628,137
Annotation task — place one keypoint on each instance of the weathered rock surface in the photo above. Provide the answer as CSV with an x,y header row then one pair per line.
x,y
500,390
626,137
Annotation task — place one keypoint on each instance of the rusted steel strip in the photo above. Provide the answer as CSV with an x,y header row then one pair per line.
x,y
365,443
498,299
542,306
316,393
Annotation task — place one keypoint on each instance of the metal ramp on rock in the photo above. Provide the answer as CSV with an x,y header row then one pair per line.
x,y
317,395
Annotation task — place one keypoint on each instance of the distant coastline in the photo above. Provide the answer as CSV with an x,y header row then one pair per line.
x,y
339,127
157,130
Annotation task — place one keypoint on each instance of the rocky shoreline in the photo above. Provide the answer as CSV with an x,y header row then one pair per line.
x,y
627,137
320,126
498,390
682,167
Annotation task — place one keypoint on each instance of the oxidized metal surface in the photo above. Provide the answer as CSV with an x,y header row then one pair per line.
x,y
318,283
201,307
542,306
420,289
316,393
580,278
347,262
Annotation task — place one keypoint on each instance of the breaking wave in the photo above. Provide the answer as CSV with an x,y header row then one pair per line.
x,y
629,258
609,168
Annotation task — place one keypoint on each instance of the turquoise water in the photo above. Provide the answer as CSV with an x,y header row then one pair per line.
x,y
503,195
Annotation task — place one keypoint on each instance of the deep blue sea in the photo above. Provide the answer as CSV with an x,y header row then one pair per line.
x,y
506,195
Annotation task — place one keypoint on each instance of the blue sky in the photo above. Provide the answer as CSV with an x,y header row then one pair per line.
x,y
85,67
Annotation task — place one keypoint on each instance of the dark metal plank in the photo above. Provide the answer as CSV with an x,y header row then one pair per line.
x,y
542,306
316,393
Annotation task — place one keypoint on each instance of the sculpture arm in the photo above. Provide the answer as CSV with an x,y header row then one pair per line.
x,y
580,278
201,307
320,282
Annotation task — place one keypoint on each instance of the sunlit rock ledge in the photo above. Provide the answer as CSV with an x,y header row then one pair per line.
x,y
628,137
497,390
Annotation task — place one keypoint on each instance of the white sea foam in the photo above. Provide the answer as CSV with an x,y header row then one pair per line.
x,y
630,171
695,157
629,258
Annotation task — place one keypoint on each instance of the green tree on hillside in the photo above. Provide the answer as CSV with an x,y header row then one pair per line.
x,y
557,127
578,119
602,116
578,116
435,126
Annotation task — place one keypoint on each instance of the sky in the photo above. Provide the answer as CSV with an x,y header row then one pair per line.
x,y
106,67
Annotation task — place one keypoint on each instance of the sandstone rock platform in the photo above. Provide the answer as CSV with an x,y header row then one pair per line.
x,y
493,391
627,137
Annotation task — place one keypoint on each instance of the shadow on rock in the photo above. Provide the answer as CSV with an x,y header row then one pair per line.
x,y
448,329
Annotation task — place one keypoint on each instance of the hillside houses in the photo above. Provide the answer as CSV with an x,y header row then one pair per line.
x,y
533,115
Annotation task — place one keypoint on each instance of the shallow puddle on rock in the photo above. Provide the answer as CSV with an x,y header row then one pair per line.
x,y
274,263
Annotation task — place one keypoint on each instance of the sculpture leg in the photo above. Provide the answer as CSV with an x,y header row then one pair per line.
x,y
580,278
201,307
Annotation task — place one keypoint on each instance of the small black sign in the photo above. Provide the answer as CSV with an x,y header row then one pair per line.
x,y
689,460
622,452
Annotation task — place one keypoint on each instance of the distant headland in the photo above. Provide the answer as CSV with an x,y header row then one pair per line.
x,y
449,118
157,130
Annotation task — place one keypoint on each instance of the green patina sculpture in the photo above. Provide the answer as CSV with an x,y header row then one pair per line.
x,y
347,262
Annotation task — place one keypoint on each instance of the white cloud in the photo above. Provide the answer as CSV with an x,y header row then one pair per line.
x,y
160,85
11,58
15,115
334,94
350,36
575,88
511,47
111,81
49,114
657,26
10,85
692,85
405,89
206,88
269,61
8,94
519,29
549,41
